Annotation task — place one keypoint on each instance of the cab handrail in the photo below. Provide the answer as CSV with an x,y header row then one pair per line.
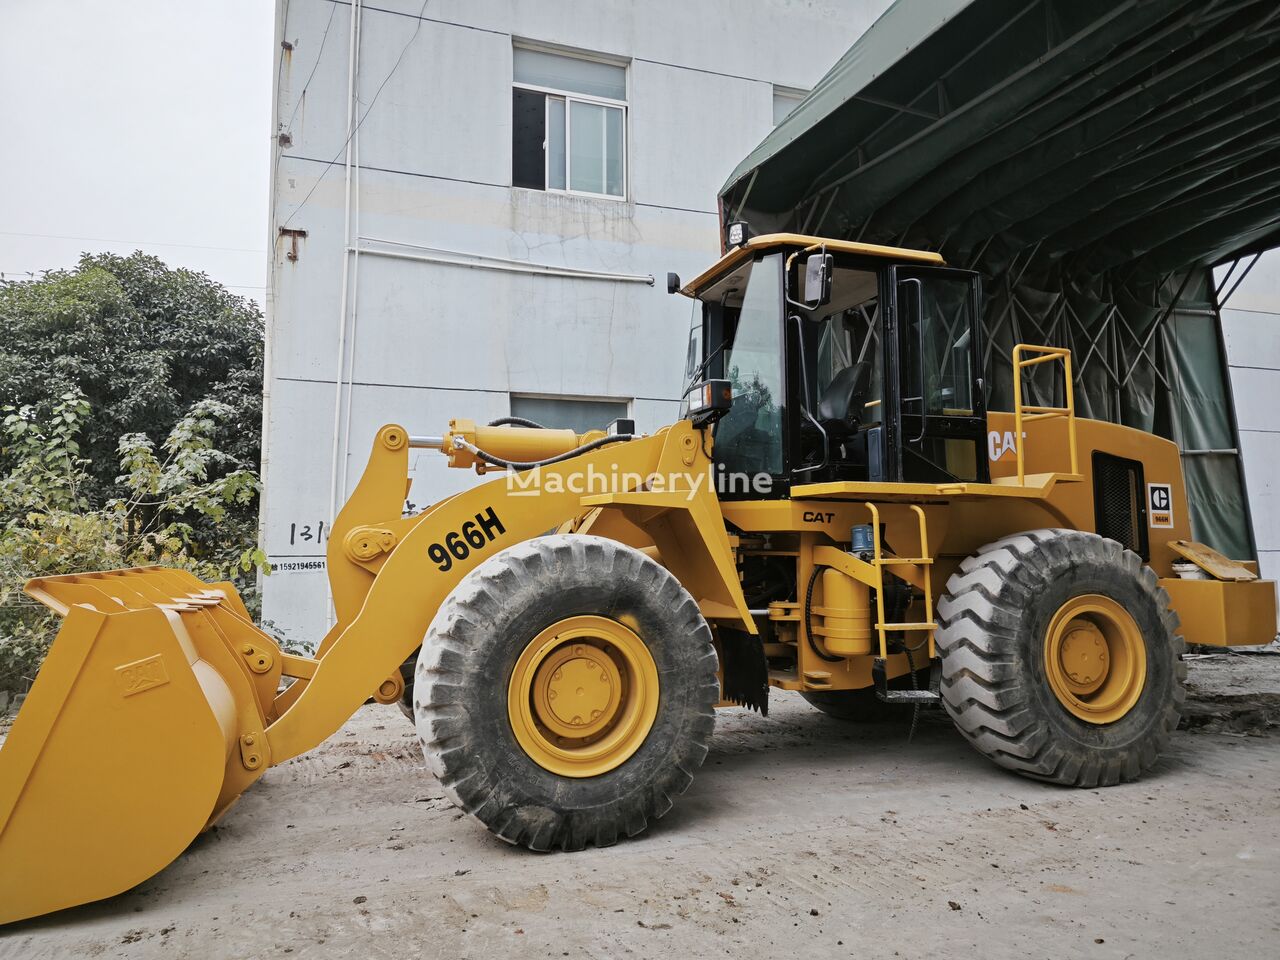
x,y
1025,413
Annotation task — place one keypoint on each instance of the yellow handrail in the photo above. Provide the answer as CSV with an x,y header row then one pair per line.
x,y
1025,414
878,563
928,578
875,547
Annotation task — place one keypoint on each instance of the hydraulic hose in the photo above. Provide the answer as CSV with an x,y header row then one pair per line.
x,y
915,685
516,422
531,464
808,630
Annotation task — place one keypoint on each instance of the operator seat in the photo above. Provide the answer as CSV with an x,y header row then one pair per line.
x,y
840,406
840,412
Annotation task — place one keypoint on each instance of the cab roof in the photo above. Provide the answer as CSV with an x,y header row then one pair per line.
x,y
771,241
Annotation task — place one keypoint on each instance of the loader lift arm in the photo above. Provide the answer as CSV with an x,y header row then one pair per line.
x,y
405,592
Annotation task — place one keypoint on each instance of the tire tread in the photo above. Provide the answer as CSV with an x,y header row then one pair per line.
x,y
448,658
982,687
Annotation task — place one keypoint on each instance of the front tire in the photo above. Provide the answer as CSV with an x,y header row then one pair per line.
x,y
566,692
1061,658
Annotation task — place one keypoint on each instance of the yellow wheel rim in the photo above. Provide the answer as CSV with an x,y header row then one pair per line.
x,y
583,696
1095,659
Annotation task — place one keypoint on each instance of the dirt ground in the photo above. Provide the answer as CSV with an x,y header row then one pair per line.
x,y
801,836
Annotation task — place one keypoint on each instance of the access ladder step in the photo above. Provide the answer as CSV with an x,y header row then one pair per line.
x,y
909,696
931,694
908,627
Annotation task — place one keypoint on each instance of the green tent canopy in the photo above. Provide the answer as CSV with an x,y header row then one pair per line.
x,y
1093,159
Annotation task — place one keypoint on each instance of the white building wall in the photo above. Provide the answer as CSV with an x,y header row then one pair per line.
x,y
425,341
1251,328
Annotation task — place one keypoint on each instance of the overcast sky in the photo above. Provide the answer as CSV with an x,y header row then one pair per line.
x,y
143,124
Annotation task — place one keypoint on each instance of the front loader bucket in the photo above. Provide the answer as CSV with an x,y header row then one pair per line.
x,y
122,751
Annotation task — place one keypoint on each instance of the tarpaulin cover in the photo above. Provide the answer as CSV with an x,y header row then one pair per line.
x,y
1092,158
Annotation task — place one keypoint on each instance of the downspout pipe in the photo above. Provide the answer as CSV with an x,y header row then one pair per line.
x,y
352,72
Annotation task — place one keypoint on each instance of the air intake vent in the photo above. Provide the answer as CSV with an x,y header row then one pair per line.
x,y
1117,502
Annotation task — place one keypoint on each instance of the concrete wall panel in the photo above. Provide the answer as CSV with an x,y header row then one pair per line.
x,y
681,159
1251,329
1256,393
437,114
1261,453
1252,337
790,42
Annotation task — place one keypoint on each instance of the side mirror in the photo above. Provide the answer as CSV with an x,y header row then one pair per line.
x,y
816,291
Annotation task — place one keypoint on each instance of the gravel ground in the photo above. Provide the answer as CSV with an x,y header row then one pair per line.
x,y
801,835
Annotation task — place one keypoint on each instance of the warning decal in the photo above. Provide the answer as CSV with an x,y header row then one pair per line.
x,y
1159,505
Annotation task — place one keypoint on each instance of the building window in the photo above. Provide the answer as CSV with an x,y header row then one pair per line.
x,y
569,122
570,413
785,99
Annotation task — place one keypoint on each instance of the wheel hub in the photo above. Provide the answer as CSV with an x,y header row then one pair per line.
x,y
1084,656
1095,658
583,696
577,690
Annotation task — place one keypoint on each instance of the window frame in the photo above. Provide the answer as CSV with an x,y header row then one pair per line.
x,y
788,380
627,402
569,97
935,426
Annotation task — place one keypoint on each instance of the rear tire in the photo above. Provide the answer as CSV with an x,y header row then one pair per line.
x,y
1000,683
482,637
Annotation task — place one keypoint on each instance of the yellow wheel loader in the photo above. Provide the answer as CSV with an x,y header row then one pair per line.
x,y
836,513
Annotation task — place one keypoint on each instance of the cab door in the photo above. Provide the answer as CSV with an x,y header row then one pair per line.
x,y
937,417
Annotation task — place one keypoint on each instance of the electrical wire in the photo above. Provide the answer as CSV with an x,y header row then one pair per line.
x,y
364,116
288,127
128,243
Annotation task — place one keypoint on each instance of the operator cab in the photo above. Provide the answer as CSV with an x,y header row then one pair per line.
x,y
847,362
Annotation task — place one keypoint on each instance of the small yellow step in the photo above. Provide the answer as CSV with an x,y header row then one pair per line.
x,y
910,627
886,561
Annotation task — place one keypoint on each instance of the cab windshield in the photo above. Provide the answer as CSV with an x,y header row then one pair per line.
x,y
748,440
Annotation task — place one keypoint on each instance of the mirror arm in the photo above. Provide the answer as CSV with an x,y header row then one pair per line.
x,y
821,250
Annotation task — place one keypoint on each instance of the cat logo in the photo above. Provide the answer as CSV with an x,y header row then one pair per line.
x,y
811,516
998,444
1159,505
141,675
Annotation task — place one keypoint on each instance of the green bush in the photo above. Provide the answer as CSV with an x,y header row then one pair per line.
x,y
50,525
142,343
130,425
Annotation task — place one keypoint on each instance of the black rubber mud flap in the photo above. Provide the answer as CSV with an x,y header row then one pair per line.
x,y
746,671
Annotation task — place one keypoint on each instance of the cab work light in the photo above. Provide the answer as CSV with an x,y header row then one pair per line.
x,y
710,402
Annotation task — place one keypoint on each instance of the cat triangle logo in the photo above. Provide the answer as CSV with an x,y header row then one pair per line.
x,y
998,444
